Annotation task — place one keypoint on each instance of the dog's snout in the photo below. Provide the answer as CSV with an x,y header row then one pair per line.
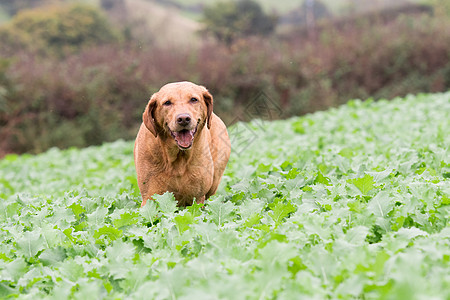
x,y
183,119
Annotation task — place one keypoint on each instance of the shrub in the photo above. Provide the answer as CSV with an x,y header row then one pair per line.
x,y
57,30
231,20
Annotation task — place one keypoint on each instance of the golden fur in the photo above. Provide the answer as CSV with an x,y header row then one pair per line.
x,y
182,146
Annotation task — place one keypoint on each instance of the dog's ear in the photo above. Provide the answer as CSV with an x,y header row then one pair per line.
x,y
209,106
149,116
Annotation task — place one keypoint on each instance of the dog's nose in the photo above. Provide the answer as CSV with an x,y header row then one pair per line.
x,y
183,119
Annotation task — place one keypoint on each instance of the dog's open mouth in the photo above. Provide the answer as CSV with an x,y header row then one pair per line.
x,y
184,137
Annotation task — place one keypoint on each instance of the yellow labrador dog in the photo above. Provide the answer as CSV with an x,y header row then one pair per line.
x,y
182,146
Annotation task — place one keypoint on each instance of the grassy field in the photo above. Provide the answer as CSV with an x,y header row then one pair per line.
x,y
351,203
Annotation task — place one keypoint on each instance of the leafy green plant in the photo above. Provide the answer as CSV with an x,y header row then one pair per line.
x,y
348,203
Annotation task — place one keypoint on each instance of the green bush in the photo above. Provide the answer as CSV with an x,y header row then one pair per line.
x,y
57,30
231,20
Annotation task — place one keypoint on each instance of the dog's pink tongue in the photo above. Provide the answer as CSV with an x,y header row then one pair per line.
x,y
184,138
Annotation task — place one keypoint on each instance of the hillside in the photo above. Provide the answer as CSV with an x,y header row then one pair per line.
x,y
349,203
160,25
176,22
282,7
148,21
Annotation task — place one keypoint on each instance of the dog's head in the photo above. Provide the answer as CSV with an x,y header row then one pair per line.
x,y
179,111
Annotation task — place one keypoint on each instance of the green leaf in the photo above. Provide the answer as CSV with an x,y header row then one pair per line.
x,y
220,211
262,168
72,269
30,244
14,270
166,203
135,278
4,257
295,265
51,236
7,185
280,210
52,256
298,127
445,200
6,291
81,226
346,152
109,232
119,259
253,220
364,184
357,235
68,233
322,179
77,209
410,233
195,209
88,290
98,216
149,211
126,219
183,221
292,174
12,209
356,206
379,176
381,204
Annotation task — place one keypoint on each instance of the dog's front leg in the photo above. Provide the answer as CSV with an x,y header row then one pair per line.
x,y
201,200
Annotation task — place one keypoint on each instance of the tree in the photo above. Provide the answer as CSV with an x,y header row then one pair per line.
x,y
314,10
230,20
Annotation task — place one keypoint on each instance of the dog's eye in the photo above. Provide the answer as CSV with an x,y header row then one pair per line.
x,y
167,103
194,100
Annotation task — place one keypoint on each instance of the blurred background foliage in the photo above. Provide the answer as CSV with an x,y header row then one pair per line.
x,y
78,73
57,30
229,21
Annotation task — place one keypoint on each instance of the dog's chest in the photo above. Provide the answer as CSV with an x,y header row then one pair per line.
x,y
191,181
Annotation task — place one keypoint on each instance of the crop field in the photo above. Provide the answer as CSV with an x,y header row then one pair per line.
x,y
350,203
